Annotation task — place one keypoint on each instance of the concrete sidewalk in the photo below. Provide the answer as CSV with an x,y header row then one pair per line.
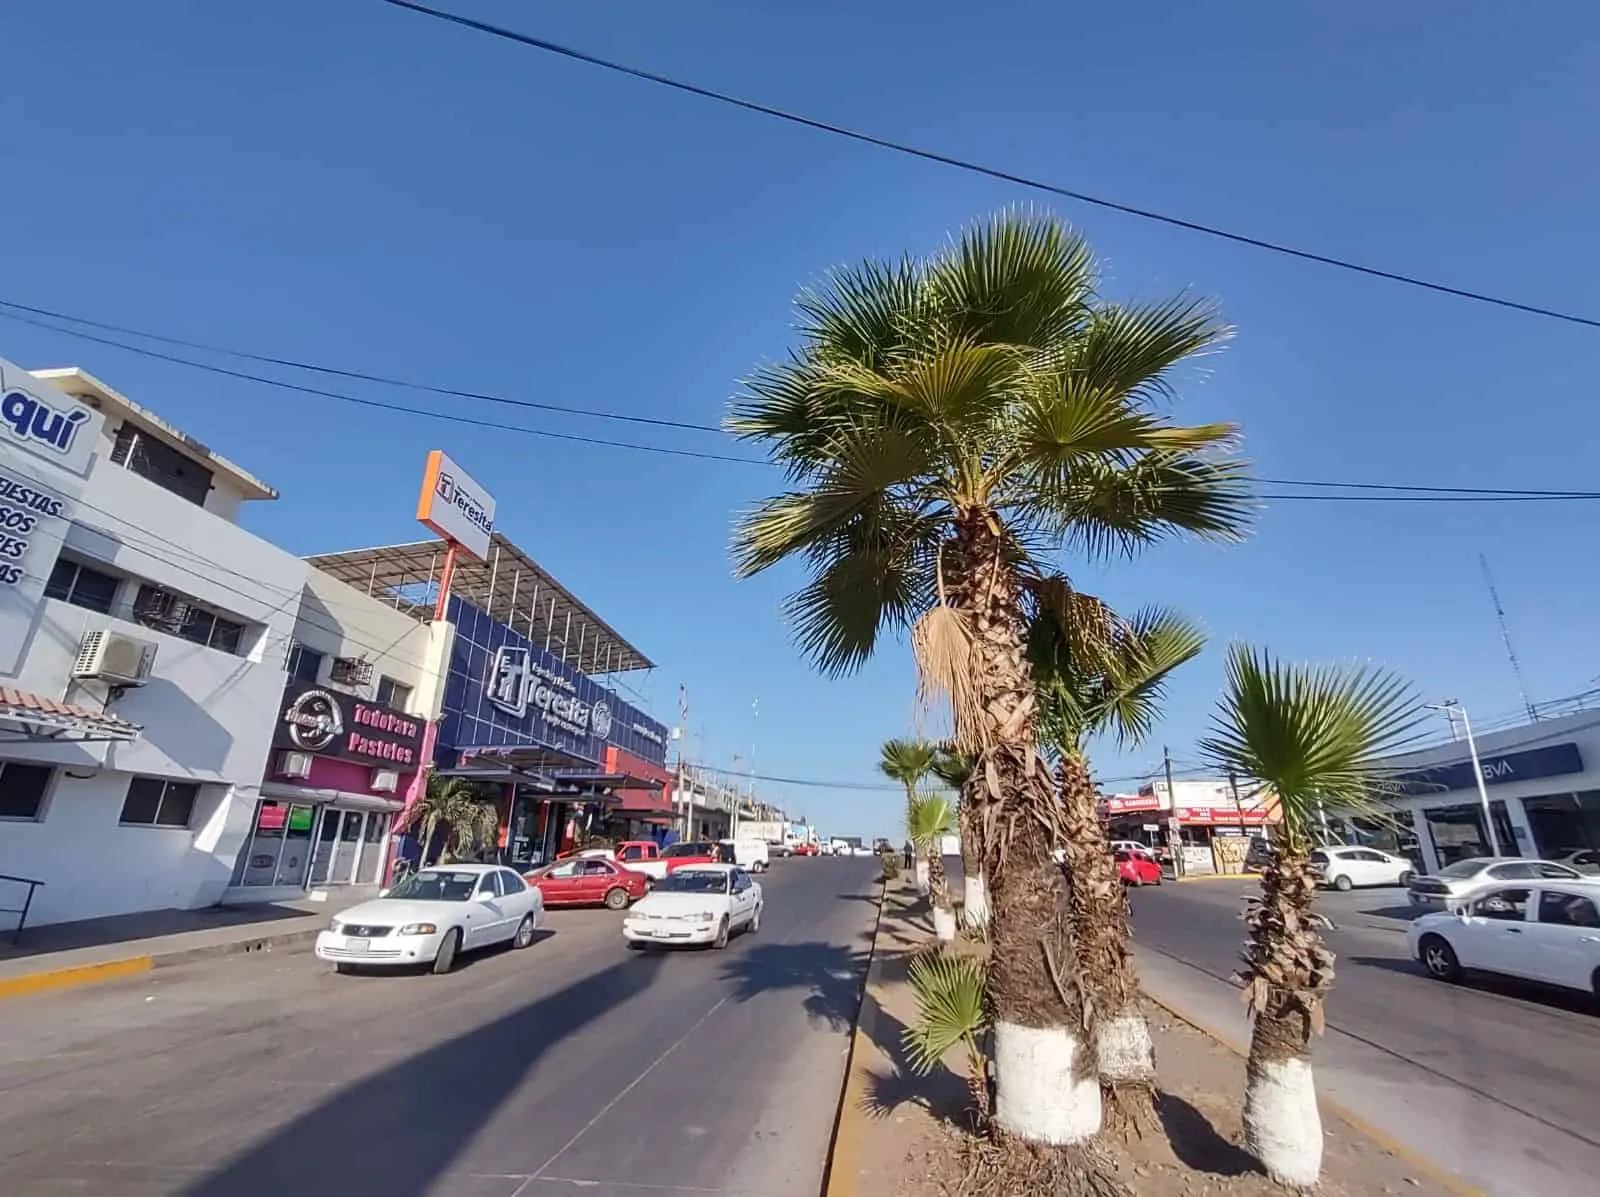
x,y
1460,1132
64,955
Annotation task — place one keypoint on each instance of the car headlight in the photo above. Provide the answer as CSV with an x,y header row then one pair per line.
x,y
418,929
706,916
336,927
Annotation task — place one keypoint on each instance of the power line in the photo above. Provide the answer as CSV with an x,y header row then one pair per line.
x,y
1429,494
1005,176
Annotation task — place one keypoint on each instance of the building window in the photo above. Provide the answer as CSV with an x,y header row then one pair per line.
x,y
81,586
178,615
153,802
22,789
393,694
304,664
157,461
1458,831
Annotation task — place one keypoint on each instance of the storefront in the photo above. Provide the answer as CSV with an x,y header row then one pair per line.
x,y
339,768
1209,826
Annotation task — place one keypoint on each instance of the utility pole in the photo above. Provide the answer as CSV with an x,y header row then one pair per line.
x,y
1175,837
1448,706
1233,784
683,744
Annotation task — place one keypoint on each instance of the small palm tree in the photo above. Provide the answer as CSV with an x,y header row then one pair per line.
x,y
957,770
909,762
932,817
461,810
1312,734
951,1010
1110,684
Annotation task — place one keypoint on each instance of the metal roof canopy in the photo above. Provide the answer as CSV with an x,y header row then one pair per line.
x,y
510,586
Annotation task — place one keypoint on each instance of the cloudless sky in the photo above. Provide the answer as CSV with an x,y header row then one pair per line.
x,y
352,184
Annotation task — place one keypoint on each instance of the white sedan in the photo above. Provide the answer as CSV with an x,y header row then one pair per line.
x,y
1546,931
1345,866
433,916
697,904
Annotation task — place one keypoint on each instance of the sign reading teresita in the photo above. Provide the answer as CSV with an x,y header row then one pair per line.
x,y
47,444
455,507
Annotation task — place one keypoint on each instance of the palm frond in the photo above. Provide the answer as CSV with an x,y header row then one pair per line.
x,y
1311,733
1131,349
929,819
949,991
907,761
1018,278
954,767
941,645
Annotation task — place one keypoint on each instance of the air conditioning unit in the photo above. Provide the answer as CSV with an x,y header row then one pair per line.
x,y
294,764
384,781
109,656
161,609
351,671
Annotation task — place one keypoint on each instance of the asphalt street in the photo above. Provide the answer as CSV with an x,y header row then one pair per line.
x,y
1522,1049
574,1067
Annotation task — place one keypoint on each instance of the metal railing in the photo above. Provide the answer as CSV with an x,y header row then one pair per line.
x,y
27,903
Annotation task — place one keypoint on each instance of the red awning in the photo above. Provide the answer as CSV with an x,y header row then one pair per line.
x,y
42,719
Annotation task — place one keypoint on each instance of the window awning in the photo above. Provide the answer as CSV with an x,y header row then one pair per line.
x,y
32,718
309,796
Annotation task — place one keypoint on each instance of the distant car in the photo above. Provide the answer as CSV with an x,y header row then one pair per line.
x,y
1137,868
1345,866
807,848
1132,846
432,916
751,855
1545,930
589,881
861,850
1259,854
698,904
1461,881
1585,860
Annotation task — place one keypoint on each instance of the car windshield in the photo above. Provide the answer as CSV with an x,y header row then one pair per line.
x,y
693,881
1464,868
435,885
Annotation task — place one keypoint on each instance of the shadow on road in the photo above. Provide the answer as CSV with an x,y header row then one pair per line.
x,y
1570,1000
398,1131
465,961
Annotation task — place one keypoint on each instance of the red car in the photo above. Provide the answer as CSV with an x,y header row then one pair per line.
x,y
1136,868
589,881
807,848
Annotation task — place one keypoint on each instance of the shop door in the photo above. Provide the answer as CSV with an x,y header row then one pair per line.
x,y
347,849
373,842
327,838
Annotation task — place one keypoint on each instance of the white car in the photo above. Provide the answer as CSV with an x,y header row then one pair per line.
x,y
1545,930
434,915
1585,860
751,855
1461,881
1345,866
697,904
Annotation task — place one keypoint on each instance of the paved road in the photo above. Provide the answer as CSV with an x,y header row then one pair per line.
x,y
575,1067
1532,1051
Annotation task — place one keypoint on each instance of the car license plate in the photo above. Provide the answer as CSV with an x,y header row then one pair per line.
x,y
358,945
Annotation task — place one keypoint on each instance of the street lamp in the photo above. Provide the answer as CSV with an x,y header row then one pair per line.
x,y
1452,708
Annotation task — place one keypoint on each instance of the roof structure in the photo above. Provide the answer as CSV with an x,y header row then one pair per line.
x,y
509,585
40,719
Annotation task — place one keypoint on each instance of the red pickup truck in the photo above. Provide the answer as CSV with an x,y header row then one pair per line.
x,y
656,862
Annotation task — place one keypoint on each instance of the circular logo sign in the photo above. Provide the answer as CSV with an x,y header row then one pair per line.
x,y
314,720
600,720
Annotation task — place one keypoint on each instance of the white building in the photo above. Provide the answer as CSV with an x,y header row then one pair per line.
x,y
143,644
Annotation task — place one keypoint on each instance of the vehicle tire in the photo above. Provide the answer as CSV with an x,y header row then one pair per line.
x,y
617,899
1405,879
721,941
755,920
1342,883
525,930
445,958
1439,958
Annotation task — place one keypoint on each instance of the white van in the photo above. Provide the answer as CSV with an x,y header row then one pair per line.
x,y
750,855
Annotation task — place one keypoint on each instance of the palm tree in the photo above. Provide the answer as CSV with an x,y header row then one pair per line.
x,y
1312,734
1113,687
932,817
461,809
946,424
909,762
951,1010
955,769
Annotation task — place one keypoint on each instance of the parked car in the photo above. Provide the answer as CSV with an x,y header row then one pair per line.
x,y
432,916
677,856
1585,860
589,881
1460,882
1132,846
751,855
697,904
1547,931
1345,866
1137,868
807,848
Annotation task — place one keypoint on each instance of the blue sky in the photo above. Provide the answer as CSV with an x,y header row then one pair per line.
x,y
356,185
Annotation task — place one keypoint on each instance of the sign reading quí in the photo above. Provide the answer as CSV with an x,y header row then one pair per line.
x,y
329,723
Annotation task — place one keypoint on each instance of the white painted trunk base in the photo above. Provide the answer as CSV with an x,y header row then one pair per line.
x,y
975,909
1124,1050
922,877
944,924
1036,1095
1282,1126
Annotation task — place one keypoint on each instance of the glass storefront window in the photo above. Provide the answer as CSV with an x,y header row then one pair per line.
x,y
372,849
275,852
296,853
1458,831
1564,824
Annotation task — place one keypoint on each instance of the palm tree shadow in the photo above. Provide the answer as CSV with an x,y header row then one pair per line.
x,y
1196,1142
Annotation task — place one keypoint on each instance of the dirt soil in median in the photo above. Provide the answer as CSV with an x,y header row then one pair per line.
x,y
913,1142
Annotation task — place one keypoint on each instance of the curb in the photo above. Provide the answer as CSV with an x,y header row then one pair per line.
x,y
1188,877
1379,1136
76,976
841,1174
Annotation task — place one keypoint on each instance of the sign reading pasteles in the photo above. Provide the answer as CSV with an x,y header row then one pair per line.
x,y
327,722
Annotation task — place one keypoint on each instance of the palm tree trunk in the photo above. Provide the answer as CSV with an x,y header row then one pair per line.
x,y
919,865
1289,973
975,888
1046,1091
944,918
1124,1051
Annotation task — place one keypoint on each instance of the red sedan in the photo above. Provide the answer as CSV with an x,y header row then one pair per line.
x,y
807,848
589,881
1136,868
